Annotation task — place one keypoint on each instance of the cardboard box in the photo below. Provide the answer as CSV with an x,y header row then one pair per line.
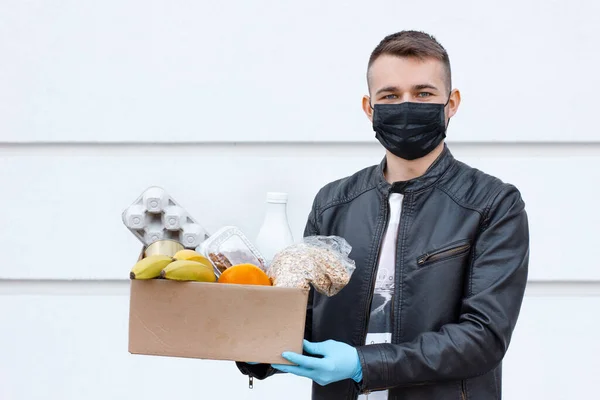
x,y
215,321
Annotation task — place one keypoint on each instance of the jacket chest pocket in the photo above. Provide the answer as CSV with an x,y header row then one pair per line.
x,y
452,250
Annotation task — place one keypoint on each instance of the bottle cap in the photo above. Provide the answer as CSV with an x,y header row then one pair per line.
x,y
277,197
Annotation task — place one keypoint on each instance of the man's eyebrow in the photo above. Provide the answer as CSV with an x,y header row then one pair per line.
x,y
424,86
387,89
396,89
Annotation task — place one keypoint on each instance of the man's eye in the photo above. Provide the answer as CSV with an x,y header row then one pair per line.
x,y
390,97
424,94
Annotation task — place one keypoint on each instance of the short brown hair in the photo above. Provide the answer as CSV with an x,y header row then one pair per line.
x,y
413,44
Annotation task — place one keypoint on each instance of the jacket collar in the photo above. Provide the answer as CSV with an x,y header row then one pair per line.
x,y
433,173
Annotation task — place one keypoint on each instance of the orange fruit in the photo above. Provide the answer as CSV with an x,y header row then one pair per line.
x,y
245,274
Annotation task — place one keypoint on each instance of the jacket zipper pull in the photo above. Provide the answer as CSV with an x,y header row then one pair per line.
x,y
251,382
422,260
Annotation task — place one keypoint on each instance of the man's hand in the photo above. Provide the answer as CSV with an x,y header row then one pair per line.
x,y
340,361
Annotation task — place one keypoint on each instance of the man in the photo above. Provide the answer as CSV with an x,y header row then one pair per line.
x,y
441,251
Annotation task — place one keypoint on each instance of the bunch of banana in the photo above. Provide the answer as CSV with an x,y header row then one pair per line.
x,y
188,270
185,265
150,267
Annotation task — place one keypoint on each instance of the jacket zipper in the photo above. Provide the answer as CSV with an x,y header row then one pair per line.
x,y
374,270
440,254
374,267
396,274
462,390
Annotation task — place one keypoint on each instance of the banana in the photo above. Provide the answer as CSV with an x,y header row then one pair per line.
x,y
149,267
192,255
187,270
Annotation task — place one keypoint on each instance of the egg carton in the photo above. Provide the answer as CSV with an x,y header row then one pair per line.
x,y
157,216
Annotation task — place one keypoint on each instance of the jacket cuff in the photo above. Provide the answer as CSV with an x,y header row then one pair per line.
x,y
374,367
257,371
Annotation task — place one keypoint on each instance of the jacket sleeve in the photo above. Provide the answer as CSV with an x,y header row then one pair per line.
x,y
263,371
478,341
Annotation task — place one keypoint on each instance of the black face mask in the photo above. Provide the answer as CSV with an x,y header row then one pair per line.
x,y
410,130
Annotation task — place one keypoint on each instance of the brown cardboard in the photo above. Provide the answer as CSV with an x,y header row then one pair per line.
x,y
215,321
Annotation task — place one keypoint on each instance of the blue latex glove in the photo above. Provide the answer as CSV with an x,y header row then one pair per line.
x,y
340,361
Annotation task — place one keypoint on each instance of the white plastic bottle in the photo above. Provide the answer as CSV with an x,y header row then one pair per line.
x,y
275,233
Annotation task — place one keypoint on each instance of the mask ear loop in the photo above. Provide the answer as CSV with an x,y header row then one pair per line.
x,y
445,109
448,101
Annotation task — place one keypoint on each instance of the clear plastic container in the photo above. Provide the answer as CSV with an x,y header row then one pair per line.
x,y
228,247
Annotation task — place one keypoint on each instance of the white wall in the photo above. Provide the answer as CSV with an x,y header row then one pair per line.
x,y
219,102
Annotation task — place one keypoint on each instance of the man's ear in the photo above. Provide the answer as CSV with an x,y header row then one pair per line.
x,y
366,106
453,103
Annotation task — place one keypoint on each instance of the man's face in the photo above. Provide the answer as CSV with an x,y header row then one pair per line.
x,y
408,79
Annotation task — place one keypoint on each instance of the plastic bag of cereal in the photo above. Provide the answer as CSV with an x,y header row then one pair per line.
x,y
318,260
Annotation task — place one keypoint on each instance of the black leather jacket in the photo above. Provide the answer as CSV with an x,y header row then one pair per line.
x,y
461,271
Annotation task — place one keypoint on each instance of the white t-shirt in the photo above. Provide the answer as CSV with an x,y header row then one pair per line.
x,y
380,322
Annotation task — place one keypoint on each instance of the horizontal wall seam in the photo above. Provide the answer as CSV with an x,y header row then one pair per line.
x,y
120,287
